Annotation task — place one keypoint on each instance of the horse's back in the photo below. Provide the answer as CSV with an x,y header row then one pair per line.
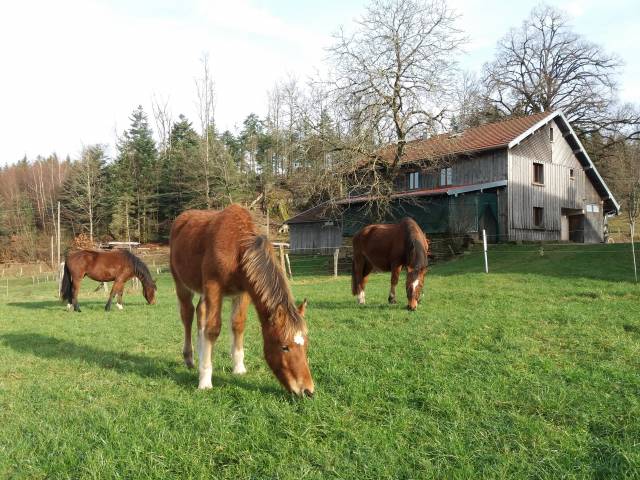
x,y
381,244
207,243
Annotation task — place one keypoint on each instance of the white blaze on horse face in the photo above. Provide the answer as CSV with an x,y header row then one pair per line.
x,y
361,298
415,283
299,339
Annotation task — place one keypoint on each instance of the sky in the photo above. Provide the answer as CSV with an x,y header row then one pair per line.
x,y
72,71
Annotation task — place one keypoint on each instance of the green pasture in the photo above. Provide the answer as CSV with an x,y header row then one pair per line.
x,y
532,371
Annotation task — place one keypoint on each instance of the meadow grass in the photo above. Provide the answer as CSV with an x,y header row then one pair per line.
x,y
532,371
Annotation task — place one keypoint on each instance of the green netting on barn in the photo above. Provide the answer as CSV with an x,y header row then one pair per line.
x,y
436,215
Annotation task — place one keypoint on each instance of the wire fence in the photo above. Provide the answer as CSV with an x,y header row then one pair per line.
x,y
301,263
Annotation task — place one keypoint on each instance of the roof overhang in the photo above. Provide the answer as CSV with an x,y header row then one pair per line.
x,y
611,205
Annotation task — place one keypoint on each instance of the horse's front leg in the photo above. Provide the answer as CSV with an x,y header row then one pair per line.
x,y
117,285
395,276
238,318
209,324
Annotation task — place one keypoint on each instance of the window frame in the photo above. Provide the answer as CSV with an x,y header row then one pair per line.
x,y
538,212
538,180
413,182
446,176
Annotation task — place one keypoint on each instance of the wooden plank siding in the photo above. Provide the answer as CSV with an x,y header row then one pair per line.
x,y
482,167
308,238
560,190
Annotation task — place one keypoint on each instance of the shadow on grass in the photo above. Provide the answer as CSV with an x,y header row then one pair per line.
x,y
57,305
47,347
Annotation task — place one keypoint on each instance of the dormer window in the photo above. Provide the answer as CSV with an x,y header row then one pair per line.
x,y
551,134
413,180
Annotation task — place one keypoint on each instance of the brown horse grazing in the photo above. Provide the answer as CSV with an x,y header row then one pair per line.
x,y
217,254
389,247
112,266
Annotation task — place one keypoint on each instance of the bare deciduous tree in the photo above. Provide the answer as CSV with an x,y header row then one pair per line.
x,y
544,65
624,166
391,82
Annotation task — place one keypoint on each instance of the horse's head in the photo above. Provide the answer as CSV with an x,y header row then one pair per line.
x,y
287,354
149,289
415,282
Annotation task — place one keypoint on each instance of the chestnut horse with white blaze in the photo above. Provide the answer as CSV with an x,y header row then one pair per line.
x,y
110,266
217,254
388,248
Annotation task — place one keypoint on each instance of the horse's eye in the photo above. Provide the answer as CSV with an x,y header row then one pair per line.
x,y
285,348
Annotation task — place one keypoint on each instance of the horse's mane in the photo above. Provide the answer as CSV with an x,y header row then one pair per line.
x,y
140,269
417,254
268,280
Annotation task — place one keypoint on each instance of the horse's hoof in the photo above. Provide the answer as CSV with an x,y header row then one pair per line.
x,y
107,308
189,364
392,300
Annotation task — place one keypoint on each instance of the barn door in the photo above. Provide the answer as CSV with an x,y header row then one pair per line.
x,y
564,228
488,222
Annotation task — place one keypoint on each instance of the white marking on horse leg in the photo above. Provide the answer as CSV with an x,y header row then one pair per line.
x,y
237,354
69,306
205,346
120,306
361,297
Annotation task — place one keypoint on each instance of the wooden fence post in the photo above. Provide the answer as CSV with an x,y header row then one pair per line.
x,y
336,254
484,242
286,257
281,249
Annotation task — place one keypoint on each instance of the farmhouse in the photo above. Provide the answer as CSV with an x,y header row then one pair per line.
x,y
521,179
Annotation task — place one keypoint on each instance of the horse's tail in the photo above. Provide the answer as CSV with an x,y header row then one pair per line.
x,y
415,249
66,291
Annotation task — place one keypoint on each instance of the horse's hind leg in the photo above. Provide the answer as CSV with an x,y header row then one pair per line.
x,y
74,293
185,299
395,276
360,270
238,317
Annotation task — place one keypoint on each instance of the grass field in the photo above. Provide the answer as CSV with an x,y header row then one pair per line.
x,y
532,371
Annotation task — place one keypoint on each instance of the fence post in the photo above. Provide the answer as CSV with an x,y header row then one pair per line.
x,y
281,249
286,257
336,254
484,243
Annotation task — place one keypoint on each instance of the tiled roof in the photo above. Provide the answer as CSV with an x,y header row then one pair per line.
x,y
484,137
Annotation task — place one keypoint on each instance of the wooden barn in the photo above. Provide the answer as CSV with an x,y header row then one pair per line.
x,y
522,179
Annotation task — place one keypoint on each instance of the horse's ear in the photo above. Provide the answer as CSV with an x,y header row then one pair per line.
x,y
302,308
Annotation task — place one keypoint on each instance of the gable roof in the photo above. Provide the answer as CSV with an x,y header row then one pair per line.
x,y
504,134
485,137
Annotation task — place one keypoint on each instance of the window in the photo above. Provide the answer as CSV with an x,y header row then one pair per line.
x,y
551,134
593,208
538,216
446,176
414,180
538,173
571,175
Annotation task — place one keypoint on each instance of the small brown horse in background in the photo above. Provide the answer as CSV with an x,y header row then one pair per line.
x,y
217,254
112,266
389,247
